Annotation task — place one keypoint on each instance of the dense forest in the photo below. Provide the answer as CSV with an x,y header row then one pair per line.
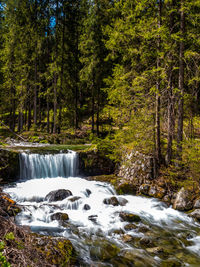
x,y
124,70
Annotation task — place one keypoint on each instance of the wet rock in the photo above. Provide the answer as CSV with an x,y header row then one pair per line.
x,y
86,207
73,199
143,229
167,199
126,188
144,189
103,250
88,192
118,232
93,218
155,250
130,227
157,192
122,201
58,195
197,204
129,217
182,201
136,258
59,216
146,242
115,201
127,238
171,263
195,214
111,201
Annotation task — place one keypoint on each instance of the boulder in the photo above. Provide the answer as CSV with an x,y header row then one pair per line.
x,y
127,238
146,242
86,207
58,195
115,201
155,250
157,192
126,188
93,218
122,201
59,216
195,214
111,201
129,227
197,204
129,217
182,201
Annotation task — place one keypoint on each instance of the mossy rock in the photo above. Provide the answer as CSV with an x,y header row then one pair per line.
x,y
171,263
103,250
59,252
129,217
126,188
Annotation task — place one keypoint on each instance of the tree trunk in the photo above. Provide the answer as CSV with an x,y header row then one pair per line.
x,y
47,114
55,105
98,104
157,119
170,115
55,75
181,85
29,114
35,95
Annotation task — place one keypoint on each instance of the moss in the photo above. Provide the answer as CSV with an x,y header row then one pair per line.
x,y
56,251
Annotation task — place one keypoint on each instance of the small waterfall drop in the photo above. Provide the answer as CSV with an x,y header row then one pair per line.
x,y
48,165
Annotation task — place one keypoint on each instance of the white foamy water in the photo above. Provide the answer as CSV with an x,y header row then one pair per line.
x,y
31,194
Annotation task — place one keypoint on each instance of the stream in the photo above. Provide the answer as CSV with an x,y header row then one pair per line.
x,y
106,229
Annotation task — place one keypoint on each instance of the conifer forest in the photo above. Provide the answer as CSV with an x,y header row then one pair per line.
x,y
127,71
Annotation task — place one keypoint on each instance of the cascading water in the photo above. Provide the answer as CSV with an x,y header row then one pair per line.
x,y
47,165
97,226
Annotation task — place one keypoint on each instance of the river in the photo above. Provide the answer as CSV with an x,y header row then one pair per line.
x,y
106,229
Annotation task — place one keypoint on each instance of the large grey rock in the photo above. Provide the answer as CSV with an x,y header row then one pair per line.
x,y
195,214
58,195
182,201
197,204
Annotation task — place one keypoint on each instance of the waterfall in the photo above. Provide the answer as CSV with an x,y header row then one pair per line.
x,y
48,165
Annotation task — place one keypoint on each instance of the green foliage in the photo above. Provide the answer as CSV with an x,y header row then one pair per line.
x,y
109,148
3,261
9,236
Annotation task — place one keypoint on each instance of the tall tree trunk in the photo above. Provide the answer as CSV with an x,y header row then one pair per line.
x,y
170,111
39,108
29,114
157,119
55,105
48,114
12,111
98,104
55,75
181,84
35,95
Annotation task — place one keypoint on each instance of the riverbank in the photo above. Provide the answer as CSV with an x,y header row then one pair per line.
x,y
20,247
